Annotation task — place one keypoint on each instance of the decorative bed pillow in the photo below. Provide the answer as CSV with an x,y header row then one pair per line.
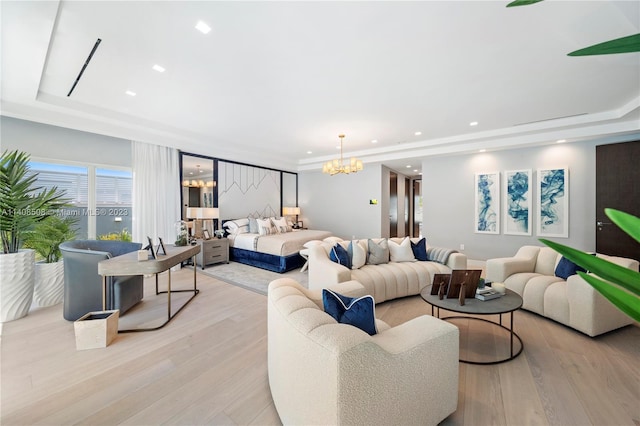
x,y
265,227
401,252
566,268
340,255
281,225
357,254
358,312
253,225
237,226
378,253
420,249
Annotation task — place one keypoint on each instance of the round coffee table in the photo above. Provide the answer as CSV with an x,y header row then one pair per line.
x,y
507,304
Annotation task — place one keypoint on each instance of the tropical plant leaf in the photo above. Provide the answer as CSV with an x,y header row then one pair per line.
x,y
522,3
624,277
626,302
620,45
625,221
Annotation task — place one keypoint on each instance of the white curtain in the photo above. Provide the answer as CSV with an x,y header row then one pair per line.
x,y
156,192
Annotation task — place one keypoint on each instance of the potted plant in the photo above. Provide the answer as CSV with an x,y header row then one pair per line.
x,y
22,205
45,239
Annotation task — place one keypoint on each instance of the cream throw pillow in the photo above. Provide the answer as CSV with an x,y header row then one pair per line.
x,y
281,225
358,254
265,227
401,252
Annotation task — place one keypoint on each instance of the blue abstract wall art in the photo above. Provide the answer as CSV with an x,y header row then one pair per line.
x,y
487,203
517,203
553,202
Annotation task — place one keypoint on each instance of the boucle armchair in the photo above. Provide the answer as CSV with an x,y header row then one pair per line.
x,y
325,373
573,302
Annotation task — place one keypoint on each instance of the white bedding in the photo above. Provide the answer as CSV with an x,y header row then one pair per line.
x,y
283,244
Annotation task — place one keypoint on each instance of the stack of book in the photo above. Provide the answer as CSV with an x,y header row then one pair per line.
x,y
487,293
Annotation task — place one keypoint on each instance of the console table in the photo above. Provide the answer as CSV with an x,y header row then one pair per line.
x,y
128,264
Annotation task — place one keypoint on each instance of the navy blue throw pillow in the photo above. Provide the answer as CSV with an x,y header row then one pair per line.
x,y
340,255
420,249
358,312
566,268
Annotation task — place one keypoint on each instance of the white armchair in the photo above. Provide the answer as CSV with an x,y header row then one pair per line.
x,y
572,302
325,373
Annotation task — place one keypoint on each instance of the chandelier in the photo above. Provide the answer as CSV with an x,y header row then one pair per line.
x,y
337,166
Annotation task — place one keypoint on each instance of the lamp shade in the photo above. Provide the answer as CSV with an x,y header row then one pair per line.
x,y
203,213
290,211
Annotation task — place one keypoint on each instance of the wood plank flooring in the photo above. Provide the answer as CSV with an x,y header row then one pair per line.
x,y
209,366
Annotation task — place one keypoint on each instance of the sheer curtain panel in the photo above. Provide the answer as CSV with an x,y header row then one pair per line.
x,y
156,192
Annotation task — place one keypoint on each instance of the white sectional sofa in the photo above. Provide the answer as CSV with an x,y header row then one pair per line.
x,y
322,372
572,302
383,281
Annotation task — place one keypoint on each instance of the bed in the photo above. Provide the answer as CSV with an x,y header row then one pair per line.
x,y
276,250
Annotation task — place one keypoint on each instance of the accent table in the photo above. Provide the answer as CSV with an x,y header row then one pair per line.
x,y
507,303
128,264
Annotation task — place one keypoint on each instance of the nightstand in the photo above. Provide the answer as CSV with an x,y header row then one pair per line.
x,y
215,250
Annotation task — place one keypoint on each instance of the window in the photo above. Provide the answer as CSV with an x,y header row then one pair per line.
x,y
99,198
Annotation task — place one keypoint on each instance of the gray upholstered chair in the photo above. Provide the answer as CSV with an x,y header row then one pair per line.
x,y
83,285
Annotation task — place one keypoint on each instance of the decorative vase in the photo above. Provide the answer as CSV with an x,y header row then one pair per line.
x,y
49,284
17,279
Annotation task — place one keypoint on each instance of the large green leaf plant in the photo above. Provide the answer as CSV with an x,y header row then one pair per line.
x,y
618,284
22,203
46,236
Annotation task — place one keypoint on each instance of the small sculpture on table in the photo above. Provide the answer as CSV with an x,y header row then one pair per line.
x,y
462,294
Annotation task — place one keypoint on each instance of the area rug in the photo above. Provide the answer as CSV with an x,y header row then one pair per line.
x,y
250,277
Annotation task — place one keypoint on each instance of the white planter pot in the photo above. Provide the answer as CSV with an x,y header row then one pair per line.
x,y
17,279
49,285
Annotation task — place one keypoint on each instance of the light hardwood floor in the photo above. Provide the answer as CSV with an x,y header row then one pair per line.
x,y
208,366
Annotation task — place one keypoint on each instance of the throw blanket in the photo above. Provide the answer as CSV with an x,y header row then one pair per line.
x,y
438,254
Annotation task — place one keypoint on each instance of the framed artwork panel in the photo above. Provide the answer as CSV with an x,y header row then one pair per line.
x,y
552,216
487,203
517,202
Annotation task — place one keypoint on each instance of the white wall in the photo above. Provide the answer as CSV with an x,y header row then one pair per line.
x,y
448,188
340,203
44,142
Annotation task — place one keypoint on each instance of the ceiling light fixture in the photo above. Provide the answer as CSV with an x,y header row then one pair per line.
x,y
130,93
158,68
473,123
202,27
374,141
337,166
482,150
561,140
418,133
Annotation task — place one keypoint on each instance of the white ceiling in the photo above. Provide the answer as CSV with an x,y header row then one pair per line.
x,y
274,80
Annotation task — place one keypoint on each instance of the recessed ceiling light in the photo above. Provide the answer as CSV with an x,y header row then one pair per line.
x,y
130,93
202,27
483,150
415,170
473,123
417,133
158,68
420,173
374,141
561,140
408,166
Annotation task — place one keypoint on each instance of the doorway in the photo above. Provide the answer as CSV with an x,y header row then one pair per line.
x,y
617,177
